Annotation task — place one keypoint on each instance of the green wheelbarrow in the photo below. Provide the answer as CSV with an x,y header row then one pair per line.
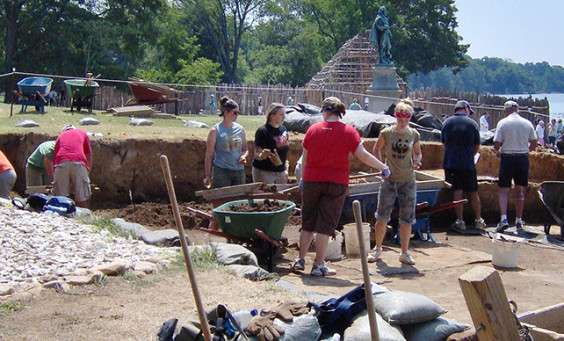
x,y
81,94
252,227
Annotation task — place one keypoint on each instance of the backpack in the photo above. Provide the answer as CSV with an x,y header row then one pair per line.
x,y
43,202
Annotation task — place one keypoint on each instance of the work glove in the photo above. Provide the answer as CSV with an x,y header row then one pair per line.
x,y
386,172
287,311
264,329
265,153
275,159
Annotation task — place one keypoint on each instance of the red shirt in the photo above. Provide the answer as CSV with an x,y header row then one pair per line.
x,y
4,163
72,145
328,146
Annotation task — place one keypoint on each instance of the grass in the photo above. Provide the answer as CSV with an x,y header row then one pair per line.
x,y
116,126
11,307
105,223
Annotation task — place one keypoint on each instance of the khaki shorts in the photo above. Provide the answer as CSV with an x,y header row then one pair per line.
x,y
269,177
72,177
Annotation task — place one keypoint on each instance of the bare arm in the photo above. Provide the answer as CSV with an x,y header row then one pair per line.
x,y
368,159
376,150
49,168
244,149
417,155
532,145
210,152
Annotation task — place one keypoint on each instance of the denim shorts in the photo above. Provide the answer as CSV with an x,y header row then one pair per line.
x,y
222,177
405,193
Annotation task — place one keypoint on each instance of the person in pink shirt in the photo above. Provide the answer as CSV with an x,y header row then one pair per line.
x,y
71,159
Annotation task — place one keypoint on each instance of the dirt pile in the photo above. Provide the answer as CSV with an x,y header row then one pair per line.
x,y
266,205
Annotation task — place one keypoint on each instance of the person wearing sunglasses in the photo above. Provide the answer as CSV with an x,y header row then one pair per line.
x,y
226,149
402,150
325,162
271,148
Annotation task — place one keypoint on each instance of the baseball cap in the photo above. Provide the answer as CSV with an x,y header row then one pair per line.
x,y
67,127
463,104
510,104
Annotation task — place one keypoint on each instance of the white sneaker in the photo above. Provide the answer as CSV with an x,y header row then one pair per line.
x,y
405,258
322,270
480,224
374,255
458,225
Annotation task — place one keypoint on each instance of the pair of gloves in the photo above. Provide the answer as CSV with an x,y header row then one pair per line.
x,y
263,327
272,156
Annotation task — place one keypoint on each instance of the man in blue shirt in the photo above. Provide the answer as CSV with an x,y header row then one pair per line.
x,y
460,136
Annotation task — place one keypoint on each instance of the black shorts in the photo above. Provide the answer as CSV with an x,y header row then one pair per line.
x,y
513,167
462,179
322,204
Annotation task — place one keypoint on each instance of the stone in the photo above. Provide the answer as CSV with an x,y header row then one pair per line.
x,y
59,286
167,237
110,269
79,280
136,229
6,289
146,267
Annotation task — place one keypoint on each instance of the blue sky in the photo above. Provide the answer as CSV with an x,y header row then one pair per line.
x,y
523,31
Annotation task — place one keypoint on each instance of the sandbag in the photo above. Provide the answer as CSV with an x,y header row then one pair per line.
x,y
398,307
234,254
304,327
252,272
435,330
26,124
360,329
487,137
88,121
423,118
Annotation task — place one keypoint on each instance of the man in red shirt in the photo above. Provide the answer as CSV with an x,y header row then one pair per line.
x,y
71,159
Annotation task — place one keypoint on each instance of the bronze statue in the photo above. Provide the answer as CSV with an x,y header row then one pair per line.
x,y
380,36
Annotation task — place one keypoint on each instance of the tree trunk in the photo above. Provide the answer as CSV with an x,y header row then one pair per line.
x,y
12,10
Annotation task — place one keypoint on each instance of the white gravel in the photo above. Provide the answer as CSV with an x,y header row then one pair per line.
x,y
36,246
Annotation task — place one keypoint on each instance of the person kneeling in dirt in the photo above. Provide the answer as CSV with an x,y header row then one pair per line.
x,y
326,149
71,160
39,165
403,155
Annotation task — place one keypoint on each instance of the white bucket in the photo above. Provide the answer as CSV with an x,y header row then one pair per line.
x,y
334,250
352,246
506,253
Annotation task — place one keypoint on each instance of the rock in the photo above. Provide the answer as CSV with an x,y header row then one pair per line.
x,y
59,286
139,274
136,229
110,269
6,289
146,267
26,124
79,280
168,237
88,121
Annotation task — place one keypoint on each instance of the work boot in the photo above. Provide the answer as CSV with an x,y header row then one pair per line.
x,y
374,255
480,224
502,226
405,258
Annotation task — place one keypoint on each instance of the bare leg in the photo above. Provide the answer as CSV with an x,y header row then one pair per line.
x,y
457,195
503,200
321,242
379,232
475,203
305,240
519,200
405,234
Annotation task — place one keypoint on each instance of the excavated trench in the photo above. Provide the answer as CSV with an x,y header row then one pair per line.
x,y
129,175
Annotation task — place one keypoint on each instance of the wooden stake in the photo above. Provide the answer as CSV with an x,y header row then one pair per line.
x,y
488,306
191,276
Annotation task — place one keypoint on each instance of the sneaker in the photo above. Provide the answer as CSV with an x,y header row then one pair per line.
x,y
502,226
298,265
480,224
405,258
322,270
519,225
458,225
374,255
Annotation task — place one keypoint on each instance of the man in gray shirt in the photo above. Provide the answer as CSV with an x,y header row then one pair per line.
x,y
514,138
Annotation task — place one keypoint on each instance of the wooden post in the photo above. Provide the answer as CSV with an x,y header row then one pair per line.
x,y
488,306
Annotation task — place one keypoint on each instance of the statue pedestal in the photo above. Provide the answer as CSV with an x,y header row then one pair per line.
x,y
384,88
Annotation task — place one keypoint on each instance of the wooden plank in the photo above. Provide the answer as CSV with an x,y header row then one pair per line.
x,y
48,188
487,302
229,191
549,320
136,110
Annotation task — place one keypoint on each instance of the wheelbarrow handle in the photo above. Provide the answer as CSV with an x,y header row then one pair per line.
x,y
261,234
202,214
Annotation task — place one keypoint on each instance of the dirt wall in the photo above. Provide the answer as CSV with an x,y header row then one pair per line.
x,y
123,165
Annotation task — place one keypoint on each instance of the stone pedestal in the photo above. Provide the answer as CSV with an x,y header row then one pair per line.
x,y
384,90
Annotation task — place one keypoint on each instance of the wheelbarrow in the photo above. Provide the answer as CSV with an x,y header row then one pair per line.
x,y
32,91
551,193
147,93
255,228
81,94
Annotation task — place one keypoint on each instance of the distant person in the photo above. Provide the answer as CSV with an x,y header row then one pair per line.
x,y
402,151
39,165
226,149
259,107
326,148
444,116
513,140
61,96
540,133
355,105
484,123
290,101
212,104
271,148
461,139
52,98
8,176
551,133
89,79
559,128
72,157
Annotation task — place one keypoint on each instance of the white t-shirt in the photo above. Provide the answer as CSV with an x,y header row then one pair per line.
x,y
484,124
540,132
514,132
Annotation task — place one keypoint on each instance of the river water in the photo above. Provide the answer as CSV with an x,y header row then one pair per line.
x,y
555,100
